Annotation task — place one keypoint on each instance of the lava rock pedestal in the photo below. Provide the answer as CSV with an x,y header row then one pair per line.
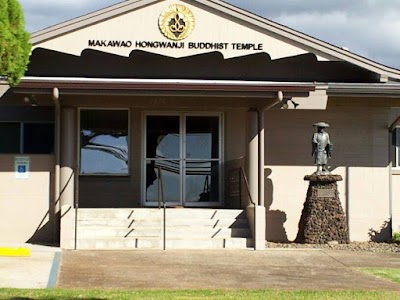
x,y
323,219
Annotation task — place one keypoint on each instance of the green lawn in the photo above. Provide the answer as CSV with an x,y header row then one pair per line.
x,y
390,274
58,294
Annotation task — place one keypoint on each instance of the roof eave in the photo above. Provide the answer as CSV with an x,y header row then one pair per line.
x,y
87,20
364,90
168,86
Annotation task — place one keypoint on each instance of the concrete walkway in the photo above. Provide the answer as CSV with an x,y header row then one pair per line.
x,y
223,269
29,272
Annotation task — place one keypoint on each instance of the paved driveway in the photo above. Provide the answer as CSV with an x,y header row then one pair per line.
x,y
235,269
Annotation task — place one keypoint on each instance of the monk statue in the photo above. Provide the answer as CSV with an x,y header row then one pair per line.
x,y
321,148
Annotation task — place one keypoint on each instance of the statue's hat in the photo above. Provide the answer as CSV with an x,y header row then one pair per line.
x,y
321,124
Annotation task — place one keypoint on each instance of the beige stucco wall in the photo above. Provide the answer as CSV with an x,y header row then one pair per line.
x,y
396,201
25,203
395,188
125,28
360,155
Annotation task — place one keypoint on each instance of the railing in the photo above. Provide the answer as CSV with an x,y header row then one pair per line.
x,y
161,198
243,174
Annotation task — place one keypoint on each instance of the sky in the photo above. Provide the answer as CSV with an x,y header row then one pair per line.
x,y
370,28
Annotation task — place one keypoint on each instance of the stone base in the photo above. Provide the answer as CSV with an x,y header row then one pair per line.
x,y
323,219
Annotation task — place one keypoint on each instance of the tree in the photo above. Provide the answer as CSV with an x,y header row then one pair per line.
x,y
14,42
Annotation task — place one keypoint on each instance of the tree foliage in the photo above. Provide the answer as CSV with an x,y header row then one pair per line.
x,y
14,42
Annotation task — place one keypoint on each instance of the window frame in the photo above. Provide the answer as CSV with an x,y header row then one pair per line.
x,y
394,149
128,174
182,119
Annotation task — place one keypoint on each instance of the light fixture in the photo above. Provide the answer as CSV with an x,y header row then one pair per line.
x,y
295,104
30,100
285,104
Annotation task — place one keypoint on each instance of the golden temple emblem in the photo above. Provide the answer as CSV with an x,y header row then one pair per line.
x,y
176,22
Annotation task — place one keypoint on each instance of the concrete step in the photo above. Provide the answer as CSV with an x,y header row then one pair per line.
x,y
176,232
144,213
152,243
170,222
142,228
118,213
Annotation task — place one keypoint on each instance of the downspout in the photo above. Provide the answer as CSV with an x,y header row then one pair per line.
x,y
57,143
260,119
261,146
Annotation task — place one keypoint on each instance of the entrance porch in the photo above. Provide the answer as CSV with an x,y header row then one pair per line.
x,y
116,146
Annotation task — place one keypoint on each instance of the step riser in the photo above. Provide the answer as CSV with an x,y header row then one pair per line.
x,y
170,222
172,233
170,244
157,223
149,213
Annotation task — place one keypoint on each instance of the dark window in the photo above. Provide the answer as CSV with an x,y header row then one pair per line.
x,y
395,153
10,138
38,138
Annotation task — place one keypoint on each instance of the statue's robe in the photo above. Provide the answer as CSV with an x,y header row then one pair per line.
x,y
321,143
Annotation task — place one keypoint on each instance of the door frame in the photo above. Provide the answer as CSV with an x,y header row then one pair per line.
x,y
182,127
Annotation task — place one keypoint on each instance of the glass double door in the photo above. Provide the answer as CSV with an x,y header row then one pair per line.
x,y
186,150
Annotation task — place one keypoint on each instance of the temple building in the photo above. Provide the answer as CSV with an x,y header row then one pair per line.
x,y
202,106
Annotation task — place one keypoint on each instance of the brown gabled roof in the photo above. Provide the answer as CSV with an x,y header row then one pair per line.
x,y
314,45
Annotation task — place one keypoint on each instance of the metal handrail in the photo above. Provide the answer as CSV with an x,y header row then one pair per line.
x,y
161,198
243,174
247,185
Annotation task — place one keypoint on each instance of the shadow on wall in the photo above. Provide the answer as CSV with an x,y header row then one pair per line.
x,y
352,141
212,65
360,140
47,234
275,219
384,234
276,232
33,209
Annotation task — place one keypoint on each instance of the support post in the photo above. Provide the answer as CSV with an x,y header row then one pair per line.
x,y
255,212
57,149
252,154
67,178
261,158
